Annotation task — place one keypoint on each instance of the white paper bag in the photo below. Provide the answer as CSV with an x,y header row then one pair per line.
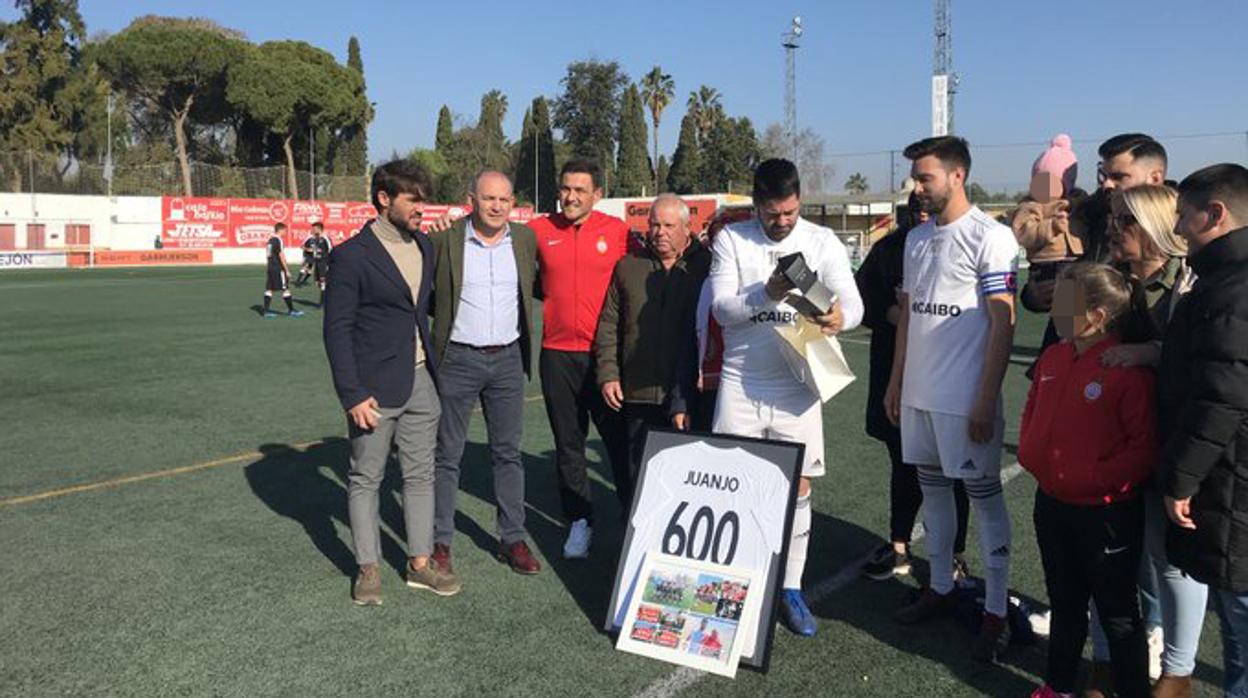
x,y
816,359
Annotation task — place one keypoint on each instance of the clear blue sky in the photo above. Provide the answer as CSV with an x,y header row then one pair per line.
x,y
1029,68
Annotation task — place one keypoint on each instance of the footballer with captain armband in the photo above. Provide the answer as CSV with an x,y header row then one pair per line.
x,y
953,346
761,394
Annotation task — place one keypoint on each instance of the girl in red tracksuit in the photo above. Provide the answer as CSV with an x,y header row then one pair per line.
x,y
1089,438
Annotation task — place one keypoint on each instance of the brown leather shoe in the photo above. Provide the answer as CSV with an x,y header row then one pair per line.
x,y
442,556
519,558
1173,687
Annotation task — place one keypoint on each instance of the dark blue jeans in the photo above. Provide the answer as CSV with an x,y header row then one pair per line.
x,y
1233,612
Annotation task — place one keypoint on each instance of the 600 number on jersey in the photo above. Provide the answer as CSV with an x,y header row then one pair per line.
x,y
704,537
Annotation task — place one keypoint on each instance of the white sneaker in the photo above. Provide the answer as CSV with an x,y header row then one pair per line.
x,y
1040,623
577,545
1156,643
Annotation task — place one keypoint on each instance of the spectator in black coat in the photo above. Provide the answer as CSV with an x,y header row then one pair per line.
x,y
1203,383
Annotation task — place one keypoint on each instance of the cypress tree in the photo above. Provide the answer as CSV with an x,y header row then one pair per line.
x,y
633,162
351,152
683,178
446,130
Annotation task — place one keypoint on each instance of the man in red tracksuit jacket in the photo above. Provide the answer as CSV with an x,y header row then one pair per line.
x,y
577,250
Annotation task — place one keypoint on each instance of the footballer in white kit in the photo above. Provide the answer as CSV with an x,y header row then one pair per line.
x,y
948,273
953,345
761,395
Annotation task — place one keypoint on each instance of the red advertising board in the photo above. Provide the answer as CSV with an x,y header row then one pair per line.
x,y
252,220
340,219
189,223
197,223
637,213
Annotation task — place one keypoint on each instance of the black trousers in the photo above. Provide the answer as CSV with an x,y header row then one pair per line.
x,y
570,388
905,498
637,417
702,410
1093,552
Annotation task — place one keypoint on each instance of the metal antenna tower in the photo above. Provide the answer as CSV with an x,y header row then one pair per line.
x,y
944,80
791,43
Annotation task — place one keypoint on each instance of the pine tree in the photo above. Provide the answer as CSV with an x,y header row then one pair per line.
x,y
687,161
588,112
635,176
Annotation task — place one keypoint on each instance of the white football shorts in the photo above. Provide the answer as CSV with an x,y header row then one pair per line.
x,y
794,415
936,438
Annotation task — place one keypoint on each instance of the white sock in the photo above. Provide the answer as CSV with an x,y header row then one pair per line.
x,y
993,522
798,544
940,518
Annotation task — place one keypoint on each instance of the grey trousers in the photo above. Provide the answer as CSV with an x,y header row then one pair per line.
x,y
496,378
413,429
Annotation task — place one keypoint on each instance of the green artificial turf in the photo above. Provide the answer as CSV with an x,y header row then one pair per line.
x,y
234,579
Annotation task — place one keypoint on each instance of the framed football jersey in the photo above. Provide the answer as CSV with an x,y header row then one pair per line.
x,y
726,500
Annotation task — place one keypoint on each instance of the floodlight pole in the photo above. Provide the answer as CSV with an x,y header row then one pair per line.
x,y
942,65
312,157
108,148
791,42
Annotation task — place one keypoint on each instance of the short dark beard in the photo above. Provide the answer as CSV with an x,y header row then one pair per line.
x,y
767,230
935,206
400,223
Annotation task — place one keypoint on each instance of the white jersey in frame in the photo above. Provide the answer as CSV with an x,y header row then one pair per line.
x,y
747,499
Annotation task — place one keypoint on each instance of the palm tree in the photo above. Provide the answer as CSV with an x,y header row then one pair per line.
x,y
706,108
657,89
856,184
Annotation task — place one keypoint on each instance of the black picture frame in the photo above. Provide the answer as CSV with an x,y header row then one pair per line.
x,y
785,456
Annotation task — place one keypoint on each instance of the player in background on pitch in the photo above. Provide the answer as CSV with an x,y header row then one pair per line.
x,y
760,394
315,259
305,268
953,346
278,276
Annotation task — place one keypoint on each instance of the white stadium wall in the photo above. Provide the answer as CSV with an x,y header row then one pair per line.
x,y
76,228
122,223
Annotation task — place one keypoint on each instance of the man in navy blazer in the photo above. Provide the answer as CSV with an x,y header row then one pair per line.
x,y
381,356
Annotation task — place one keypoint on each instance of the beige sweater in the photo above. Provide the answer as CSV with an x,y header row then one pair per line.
x,y
407,257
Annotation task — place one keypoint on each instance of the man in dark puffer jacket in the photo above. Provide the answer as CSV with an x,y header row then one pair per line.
x,y
1203,382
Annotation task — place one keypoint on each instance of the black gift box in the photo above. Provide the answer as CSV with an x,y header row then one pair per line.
x,y
815,299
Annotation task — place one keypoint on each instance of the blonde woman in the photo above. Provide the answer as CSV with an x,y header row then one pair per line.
x,y
1142,239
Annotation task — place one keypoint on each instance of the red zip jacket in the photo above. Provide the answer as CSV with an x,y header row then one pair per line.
x,y
1089,432
576,264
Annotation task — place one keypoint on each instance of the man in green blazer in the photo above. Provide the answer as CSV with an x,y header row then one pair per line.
x,y
483,294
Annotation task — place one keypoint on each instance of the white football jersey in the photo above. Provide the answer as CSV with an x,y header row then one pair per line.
x,y
744,258
730,482
948,271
